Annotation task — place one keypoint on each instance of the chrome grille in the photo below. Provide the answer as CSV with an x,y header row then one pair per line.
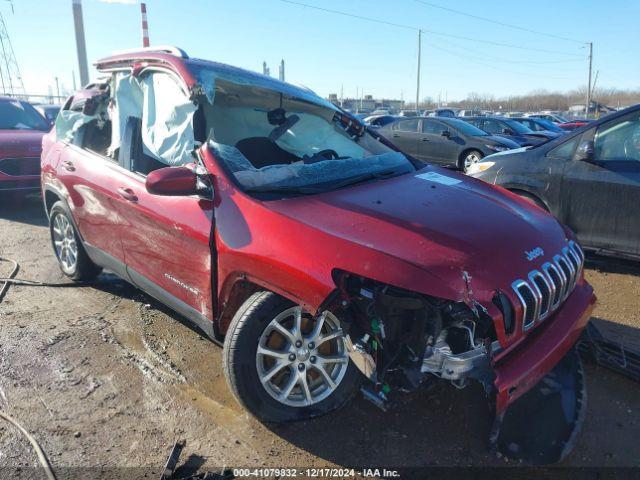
x,y
544,290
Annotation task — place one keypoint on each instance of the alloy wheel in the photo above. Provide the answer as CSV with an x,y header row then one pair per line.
x,y
301,359
64,242
470,159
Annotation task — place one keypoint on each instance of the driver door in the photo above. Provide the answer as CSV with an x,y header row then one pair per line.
x,y
601,196
166,241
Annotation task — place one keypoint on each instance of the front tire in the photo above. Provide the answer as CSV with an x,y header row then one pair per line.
x,y
70,253
468,158
282,364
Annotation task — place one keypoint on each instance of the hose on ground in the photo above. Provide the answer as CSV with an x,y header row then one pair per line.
x,y
11,280
14,271
42,457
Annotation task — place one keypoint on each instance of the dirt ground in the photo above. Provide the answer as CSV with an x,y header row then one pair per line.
x,y
106,378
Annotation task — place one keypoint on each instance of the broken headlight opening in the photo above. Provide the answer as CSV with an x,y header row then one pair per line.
x,y
399,339
402,341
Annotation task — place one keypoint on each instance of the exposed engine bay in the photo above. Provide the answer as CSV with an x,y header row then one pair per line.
x,y
402,341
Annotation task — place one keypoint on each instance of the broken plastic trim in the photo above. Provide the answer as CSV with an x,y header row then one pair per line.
x,y
541,427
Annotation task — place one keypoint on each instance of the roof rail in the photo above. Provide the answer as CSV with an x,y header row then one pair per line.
x,y
178,52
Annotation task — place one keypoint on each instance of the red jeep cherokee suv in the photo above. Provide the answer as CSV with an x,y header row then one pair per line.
x,y
324,260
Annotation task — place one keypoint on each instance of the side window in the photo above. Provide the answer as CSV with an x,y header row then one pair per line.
x,y
565,150
492,126
431,127
619,140
408,125
154,119
86,122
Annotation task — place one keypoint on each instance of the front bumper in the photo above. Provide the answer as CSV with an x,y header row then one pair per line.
x,y
522,368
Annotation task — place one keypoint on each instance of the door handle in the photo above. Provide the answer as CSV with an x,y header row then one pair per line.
x,y
424,139
395,135
127,194
68,165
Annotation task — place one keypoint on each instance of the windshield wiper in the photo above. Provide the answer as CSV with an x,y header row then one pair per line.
x,y
311,190
285,189
365,178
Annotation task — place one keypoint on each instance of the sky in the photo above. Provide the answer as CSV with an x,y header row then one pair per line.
x,y
330,53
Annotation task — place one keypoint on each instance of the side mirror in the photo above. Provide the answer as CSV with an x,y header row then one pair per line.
x,y
446,133
172,181
507,131
585,152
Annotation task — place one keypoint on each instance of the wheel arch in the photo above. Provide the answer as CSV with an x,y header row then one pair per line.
x,y
526,193
238,288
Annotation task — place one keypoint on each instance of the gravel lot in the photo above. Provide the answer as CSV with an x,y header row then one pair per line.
x,y
103,376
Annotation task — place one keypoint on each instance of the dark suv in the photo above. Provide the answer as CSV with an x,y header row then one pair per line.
x,y
589,179
321,257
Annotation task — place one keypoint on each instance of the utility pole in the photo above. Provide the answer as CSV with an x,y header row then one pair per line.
x,y
588,105
418,79
81,46
57,88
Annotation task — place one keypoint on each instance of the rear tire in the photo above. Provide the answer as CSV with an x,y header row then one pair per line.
x,y
70,253
253,385
468,158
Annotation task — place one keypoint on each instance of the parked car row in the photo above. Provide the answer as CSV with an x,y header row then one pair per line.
x,y
588,179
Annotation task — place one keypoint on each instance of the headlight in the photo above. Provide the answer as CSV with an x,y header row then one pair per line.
x,y
497,148
479,167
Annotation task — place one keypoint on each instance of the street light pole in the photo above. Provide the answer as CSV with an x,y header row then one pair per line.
x,y
418,76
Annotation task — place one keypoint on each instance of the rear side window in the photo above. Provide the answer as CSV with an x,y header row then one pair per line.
x,y
434,128
407,125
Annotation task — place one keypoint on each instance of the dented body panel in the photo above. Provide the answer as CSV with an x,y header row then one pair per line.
x,y
422,255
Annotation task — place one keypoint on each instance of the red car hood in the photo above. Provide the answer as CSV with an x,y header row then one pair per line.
x,y
21,143
440,227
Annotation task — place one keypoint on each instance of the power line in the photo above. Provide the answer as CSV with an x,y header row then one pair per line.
x,y
496,22
409,27
474,60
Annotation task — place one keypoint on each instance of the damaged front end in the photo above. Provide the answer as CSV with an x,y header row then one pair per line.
x,y
402,341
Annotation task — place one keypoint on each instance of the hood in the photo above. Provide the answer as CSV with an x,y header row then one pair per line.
x,y
502,141
437,220
21,143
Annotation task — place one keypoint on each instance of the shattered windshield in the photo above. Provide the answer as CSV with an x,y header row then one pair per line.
x,y
276,137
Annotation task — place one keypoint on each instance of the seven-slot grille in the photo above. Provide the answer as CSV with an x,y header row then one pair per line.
x,y
545,289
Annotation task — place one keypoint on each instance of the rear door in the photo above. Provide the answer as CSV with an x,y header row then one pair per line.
x,y
601,197
90,176
404,135
435,147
